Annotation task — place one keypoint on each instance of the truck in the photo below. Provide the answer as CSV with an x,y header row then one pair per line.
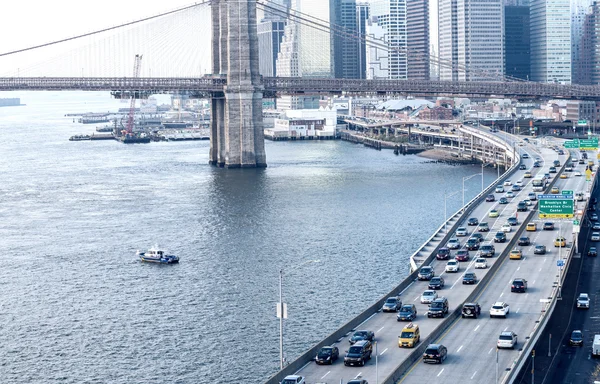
x,y
539,183
596,346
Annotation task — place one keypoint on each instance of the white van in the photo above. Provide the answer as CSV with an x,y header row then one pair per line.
x,y
596,346
579,196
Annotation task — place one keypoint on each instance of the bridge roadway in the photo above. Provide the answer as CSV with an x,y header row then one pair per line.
x,y
472,343
385,325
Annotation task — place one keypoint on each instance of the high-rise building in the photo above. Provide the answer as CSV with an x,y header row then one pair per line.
x,y
270,36
551,41
417,42
579,9
517,41
346,54
448,40
589,54
387,27
362,15
434,42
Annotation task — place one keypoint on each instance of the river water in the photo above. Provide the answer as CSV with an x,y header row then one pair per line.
x,y
78,307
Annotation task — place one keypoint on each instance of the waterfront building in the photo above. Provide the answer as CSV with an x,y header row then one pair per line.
x,y
551,41
304,123
517,41
362,15
436,113
417,42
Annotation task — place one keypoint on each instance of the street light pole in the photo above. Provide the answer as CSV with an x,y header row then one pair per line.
x,y
446,196
463,188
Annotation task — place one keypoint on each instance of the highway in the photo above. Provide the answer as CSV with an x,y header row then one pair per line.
x,y
387,328
472,352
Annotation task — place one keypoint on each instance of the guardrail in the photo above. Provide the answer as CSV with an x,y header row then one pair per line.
x,y
351,325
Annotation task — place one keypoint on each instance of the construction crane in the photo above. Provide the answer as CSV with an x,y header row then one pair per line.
x,y
136,73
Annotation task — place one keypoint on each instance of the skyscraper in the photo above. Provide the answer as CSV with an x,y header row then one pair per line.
x,y
448,40
346,48
270,35
579,8
589,55
362,15
551,41
417,30
517,42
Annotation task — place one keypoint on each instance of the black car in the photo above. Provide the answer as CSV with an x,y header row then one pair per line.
x,y
438,307
359,353
426,273
523,240
500,237
359,381
548,226
327,355
513,220
392,304
443,254
487,250
471,310
522,167
473,221
522,207
503,200
436,283
536,164
592,252
435,353
576,338
469,278
408,312
552,170
477,236
472,244
489,198
361,335
518,285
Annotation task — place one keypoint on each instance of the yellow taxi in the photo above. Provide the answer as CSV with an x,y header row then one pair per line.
x,y
563,176
528,175
531,227
555,190
410,336
560,242
515,254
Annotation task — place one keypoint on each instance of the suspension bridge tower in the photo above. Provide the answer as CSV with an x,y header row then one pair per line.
x,y
237,137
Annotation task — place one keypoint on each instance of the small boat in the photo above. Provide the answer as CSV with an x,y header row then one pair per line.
x,y
157,255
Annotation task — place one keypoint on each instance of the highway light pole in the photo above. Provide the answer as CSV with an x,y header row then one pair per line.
x,y
463,187
446,196
282,308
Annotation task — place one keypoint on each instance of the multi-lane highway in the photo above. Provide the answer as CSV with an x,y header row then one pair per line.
x,y
387,328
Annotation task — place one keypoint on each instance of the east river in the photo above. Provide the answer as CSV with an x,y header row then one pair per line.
x,y
77,306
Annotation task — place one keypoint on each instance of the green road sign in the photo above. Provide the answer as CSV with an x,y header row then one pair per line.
x,y
557,208
581,122
575,222
567,192
588,144
571,144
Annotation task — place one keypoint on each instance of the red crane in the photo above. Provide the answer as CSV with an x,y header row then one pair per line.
x,y
136,73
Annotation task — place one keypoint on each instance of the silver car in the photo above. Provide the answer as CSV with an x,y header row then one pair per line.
x,y
595,236
428,296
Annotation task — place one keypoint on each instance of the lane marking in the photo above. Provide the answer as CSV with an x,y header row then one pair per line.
x,y
476,328
416,298
505,329
518,268
518,309
459,348
357,376
501,294
474,373
540,270
441,372
328,372
379,330
383,352
533,282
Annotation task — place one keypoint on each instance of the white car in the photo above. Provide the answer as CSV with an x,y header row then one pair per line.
x,y
506,228
508,183
453,243
462,231
595,236
520,183
428,296
499,189
507,339
528,202
293,379
499,308
577,173
510,194
480,263
452,266
583,301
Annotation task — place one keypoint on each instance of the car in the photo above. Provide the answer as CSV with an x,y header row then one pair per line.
x,y
522,167
576,338
293,379
435,353
594,217
499,309
493,213
547,176
472,221
472,244
548,226
532,196
522,206
410,336
561,242
452,266
499,189
478,236
528,175
453,243
577,173
436,283
552,170
519,285
327,355
596,227
488,250
426,273
469,278
480,263
581,161
507,183
524,240
512,221
537,164
461,231
539,249
592,252
510,194
392,304
443,254
359,353
408,312
525,156
438,307
490,198
483,227
583,301
555,190
500,237
519,183
515,254
563,176
503,200
531,227
428,296
507,339
471,310
569,167
462,255
595,236
361,335
515,187
506,227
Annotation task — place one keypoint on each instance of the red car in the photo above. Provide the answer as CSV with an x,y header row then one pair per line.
x,y
443,254
462,255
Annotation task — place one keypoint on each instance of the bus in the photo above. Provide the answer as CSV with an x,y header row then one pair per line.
x,y
539,183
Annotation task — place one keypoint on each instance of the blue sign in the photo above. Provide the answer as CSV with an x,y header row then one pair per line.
x,y
555,197
560,263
